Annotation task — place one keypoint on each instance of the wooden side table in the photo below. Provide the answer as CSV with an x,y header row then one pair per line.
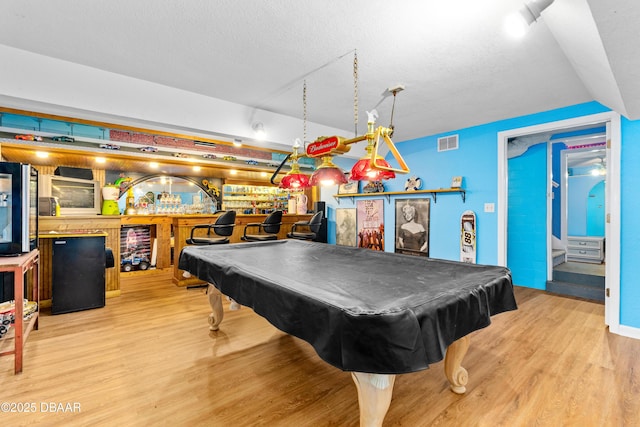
x,y
19,265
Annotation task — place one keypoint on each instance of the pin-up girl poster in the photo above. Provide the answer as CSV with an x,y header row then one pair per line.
x,y
412,226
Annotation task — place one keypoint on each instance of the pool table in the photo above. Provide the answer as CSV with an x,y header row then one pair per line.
x,y
374,314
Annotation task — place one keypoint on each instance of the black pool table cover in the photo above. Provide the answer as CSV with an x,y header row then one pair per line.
x,y
361,310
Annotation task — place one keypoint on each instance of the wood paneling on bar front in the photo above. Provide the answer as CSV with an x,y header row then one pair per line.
x,y
160,231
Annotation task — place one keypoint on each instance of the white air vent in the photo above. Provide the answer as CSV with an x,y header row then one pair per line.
x,y
447,143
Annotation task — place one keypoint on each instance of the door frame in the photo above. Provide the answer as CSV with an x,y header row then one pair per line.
x,y
612,191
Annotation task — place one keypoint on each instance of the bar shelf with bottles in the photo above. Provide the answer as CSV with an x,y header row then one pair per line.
x,y
253,199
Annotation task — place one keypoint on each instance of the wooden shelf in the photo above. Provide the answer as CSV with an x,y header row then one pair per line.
x,y
19,265
388,194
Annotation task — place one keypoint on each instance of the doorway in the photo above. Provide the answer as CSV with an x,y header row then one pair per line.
x,y
578,234
611,123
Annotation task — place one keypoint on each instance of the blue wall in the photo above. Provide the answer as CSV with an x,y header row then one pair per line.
x,y
596,210
476,160
630,206
527,218
577,197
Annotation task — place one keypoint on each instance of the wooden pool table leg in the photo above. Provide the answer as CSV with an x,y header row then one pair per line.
x,y
455,373
215,301
374,397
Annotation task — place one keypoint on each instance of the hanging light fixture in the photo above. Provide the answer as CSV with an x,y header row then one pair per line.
x,y
295,179
372,167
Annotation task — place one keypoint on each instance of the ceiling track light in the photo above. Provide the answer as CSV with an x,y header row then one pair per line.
x,y
518,23
532,10
258,129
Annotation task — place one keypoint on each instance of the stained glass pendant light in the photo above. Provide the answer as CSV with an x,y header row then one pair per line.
x,y
328,173
364,169
295,179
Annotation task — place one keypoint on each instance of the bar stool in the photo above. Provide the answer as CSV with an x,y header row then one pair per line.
x,y
310,229
217,233
267,230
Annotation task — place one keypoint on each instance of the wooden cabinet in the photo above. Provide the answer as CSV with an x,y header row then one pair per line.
x,y
585,249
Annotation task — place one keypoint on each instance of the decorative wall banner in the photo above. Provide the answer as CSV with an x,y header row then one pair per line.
x,y
412,226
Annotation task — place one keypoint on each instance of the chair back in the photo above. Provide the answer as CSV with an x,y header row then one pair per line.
x,y
315,223
225,223
272,222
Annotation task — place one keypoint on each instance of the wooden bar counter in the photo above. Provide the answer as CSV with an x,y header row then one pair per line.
x,y
170,232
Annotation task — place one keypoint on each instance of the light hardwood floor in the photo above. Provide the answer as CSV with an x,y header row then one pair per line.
x,y
148,358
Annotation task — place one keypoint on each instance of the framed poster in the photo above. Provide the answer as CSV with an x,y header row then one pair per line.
x,y
370,218
351,187
346,226
135,247
456,182
412,226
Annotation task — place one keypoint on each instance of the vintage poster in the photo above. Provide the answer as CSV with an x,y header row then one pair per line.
x,y
346,226
135,247
412,226
370,217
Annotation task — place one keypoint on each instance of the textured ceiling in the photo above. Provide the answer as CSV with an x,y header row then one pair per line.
x,y
458,66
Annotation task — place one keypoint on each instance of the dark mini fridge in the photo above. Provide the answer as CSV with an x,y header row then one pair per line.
x,y
78,276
